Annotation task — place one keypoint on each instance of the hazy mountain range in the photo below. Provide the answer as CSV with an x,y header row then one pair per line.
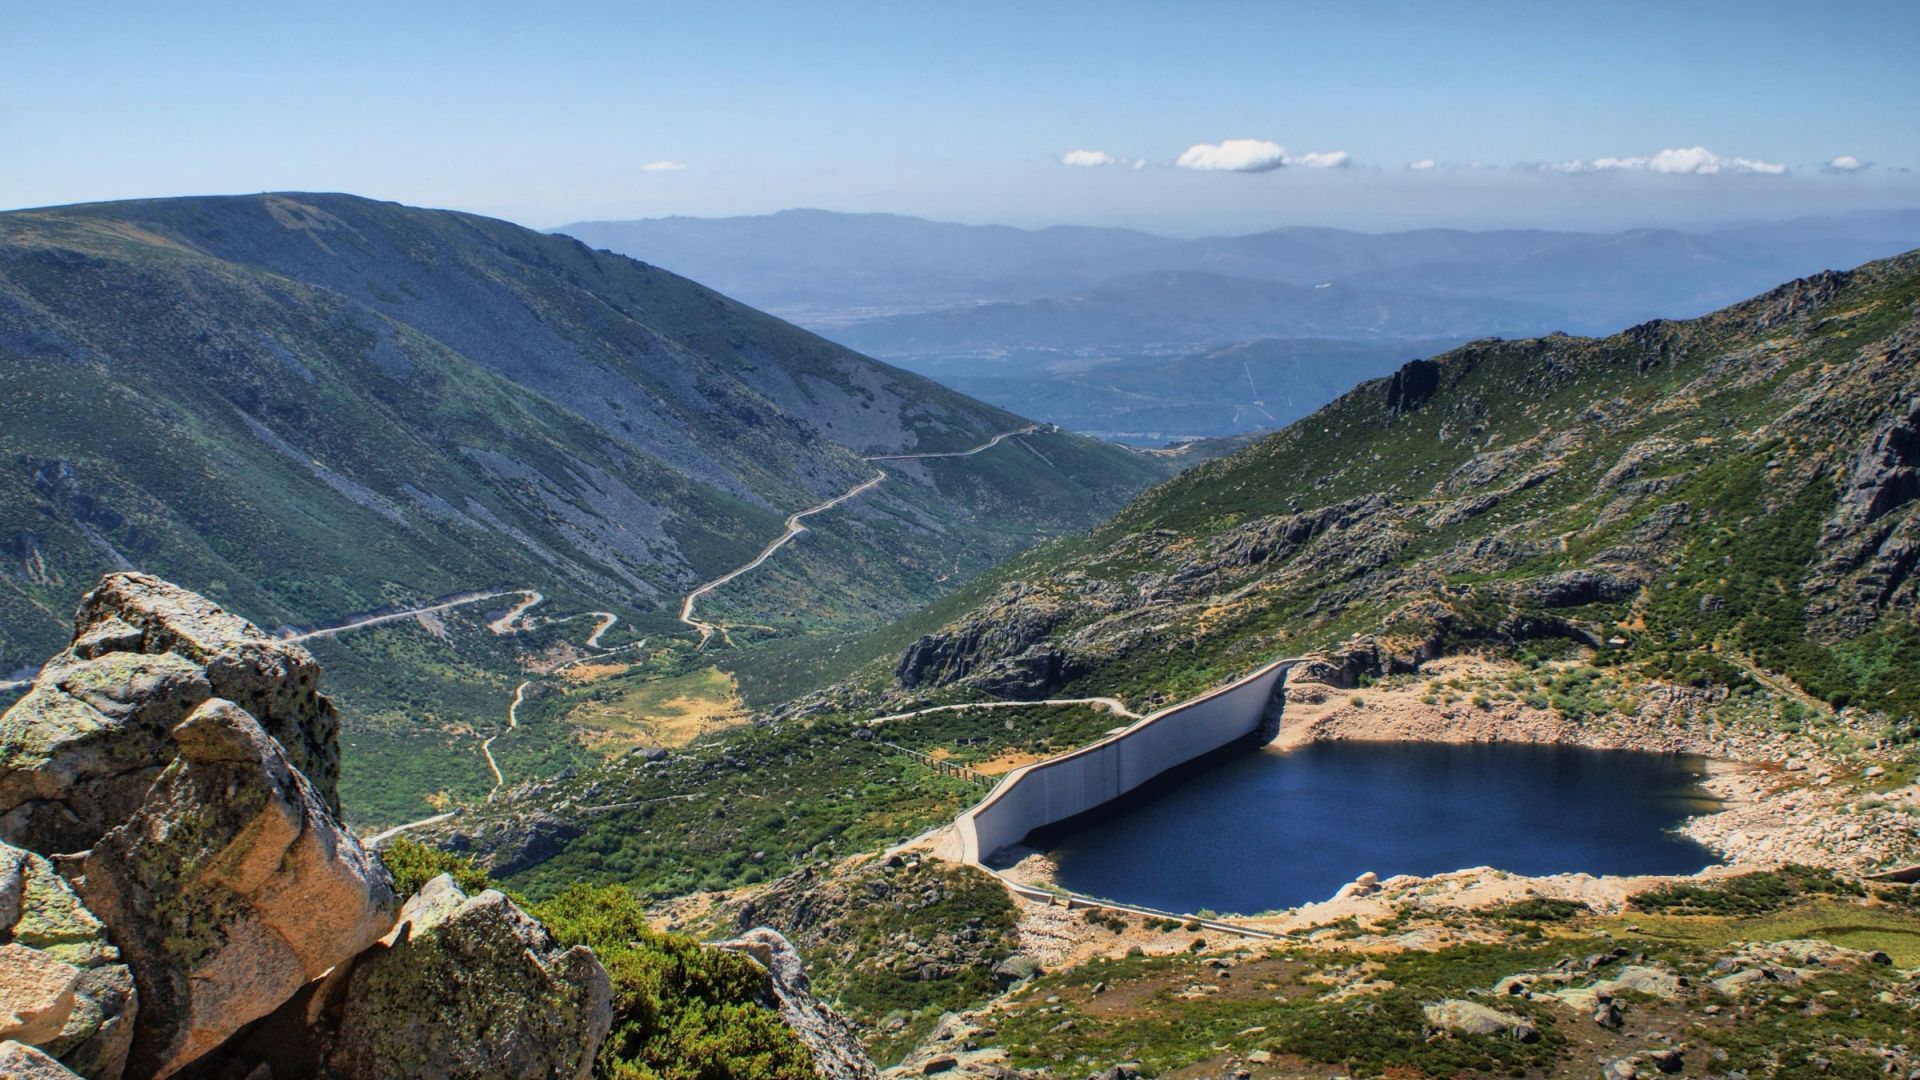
x,y
968,303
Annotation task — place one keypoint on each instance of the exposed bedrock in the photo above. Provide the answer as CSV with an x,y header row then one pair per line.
x,y
470,986
64,990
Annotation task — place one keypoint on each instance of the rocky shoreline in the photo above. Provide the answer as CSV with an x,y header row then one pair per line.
x,y
1785,798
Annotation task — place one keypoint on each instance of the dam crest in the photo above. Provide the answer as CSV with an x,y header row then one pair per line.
x,y
1080,781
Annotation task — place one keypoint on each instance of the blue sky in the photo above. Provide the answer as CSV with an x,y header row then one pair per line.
x,y
1531,113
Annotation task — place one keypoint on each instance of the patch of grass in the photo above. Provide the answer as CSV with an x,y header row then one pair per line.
x,y
1851,924
670,711
1757,893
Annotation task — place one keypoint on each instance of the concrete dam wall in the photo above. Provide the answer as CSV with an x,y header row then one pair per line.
x,y
1080,780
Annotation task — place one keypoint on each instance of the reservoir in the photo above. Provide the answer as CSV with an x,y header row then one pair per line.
x,y
1264,830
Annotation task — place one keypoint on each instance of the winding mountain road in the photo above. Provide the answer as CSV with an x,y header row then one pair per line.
x,y
706,630
794,528
408,613
988,445
515,619
504,624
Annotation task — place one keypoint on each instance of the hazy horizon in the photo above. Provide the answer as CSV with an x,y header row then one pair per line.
x,y
1222,118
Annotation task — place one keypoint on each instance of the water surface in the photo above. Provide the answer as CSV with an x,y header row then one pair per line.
x,y
1267,830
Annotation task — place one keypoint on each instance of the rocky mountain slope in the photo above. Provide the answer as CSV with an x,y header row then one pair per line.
x,y
316,406
313,405
178,897
1724,502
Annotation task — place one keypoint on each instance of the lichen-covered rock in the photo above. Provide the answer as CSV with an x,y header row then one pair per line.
x,y
230,888
79,751
471,987
833,1042
63,988
19,1062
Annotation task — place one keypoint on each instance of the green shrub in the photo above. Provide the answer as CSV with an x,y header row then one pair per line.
x,y
1539,909
413,864
682,1010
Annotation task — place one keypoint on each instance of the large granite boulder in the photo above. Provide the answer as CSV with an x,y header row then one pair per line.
x,y
79,751
834,1043
470,987
21,1062
63,988
230,888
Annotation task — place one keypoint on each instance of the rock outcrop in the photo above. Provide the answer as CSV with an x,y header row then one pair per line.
x,y
78,753
1411,386
231,887
63,987
186,900
470,986
833,1042
1011,625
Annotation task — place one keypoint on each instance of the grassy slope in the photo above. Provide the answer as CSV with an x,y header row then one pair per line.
x,y
309,406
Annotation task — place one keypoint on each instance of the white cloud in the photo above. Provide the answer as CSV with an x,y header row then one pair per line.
x,y
1676,161
1846,163
1089,159
1422,165
1235,155
1256,156
662,166
1332,159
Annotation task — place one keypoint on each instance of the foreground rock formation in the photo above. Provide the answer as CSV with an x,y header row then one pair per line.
x,y
79,752
183,892
471,986
230,888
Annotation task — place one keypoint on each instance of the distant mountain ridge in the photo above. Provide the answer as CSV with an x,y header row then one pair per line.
x,y
1186,307
1029,318
828,269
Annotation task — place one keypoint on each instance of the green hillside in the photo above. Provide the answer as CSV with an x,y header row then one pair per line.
x,y
1700,500
1725,505
309,406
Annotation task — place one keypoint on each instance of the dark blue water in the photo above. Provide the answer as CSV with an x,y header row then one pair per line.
x,y
1269,830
